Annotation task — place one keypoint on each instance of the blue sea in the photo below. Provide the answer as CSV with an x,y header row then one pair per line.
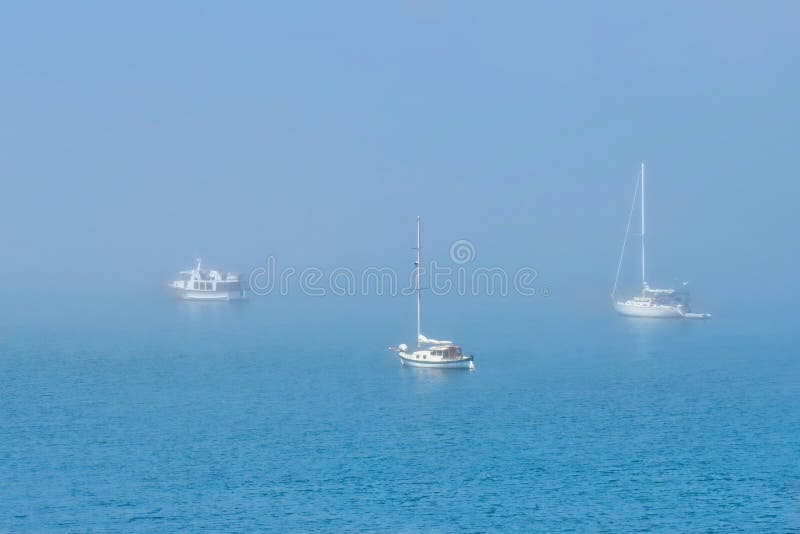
x,y
140,413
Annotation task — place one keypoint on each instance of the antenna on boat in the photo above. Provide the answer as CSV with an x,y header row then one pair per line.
x,y
198,260
644,283
419,289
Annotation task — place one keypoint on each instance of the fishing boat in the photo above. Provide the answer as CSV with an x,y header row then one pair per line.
x,y
207,285
652,302
430,353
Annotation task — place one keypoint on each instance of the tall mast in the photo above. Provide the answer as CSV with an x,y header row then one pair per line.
x,y
419,289
643,277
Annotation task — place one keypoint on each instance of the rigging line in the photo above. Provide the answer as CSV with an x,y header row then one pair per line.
x,y
625,242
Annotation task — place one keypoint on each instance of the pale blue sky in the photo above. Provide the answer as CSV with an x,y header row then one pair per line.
x,y
136,136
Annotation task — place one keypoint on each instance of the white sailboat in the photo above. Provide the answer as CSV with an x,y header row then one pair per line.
x,y
661,303
431,353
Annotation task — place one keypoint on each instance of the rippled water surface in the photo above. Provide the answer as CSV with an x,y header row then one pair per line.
x,y
163,416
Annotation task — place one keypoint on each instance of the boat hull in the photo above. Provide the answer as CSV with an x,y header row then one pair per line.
x,y
464,363
657,312
210,296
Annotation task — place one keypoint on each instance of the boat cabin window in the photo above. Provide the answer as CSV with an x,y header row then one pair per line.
x,y
447,352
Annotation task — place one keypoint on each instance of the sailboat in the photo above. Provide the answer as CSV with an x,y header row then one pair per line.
x,y
431,353
652,302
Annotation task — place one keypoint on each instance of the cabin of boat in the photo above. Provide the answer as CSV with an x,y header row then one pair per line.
x,y
447,352
664,297
208,281
438,353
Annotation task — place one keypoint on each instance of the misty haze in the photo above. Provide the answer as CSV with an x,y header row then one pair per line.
x,y
210,238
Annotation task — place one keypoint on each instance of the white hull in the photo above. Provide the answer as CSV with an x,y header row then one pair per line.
x,y
188,294
463,363
655,311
